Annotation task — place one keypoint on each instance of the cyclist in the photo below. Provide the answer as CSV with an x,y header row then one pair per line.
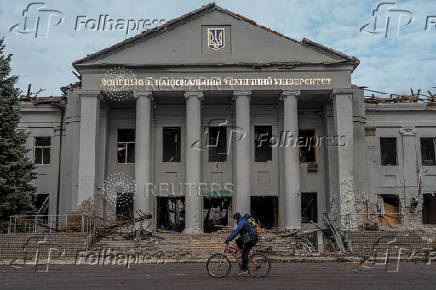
x,y
247,238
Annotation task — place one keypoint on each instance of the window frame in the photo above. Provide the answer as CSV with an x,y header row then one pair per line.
x,y
210,147
434,149
315,206
314,148
42,147
255,145
179,148
396,150
426,211
126,146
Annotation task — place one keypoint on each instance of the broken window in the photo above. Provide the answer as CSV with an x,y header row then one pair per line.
x,y
217,144
262,143
306,145
216,212
126,146
171,214
265,210
429,208
124,205
428,151
388,149
171,144
42,150
309,207
389,209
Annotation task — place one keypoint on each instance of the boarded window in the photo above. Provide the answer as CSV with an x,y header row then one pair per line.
x,y
428,151
262,143
429,209
306,145
388,149
309,207
217,144
126,146
171,144
389,209
42,150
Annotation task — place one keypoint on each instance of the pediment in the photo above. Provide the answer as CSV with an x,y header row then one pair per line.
x,y
212,35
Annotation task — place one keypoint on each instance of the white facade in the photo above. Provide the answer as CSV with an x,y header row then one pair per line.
x,y
273,183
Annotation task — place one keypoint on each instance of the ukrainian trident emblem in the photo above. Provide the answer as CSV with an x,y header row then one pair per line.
x,y
216,38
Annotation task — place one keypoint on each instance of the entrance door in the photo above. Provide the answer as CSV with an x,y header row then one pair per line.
x,y
216,213
265,211
170,213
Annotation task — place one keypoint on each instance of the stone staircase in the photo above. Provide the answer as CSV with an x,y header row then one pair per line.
x,y
180,246
198,246
166,245
115,242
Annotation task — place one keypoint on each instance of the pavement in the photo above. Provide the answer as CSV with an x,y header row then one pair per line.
x,y
337,275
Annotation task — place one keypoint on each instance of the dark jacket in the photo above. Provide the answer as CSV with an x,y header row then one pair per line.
x,y
246,230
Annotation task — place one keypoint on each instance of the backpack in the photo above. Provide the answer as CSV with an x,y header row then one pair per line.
x,y
251,220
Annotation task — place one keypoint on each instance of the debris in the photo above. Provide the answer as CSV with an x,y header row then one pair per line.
x,y
413,205
70,87
370,226
395,98
334,233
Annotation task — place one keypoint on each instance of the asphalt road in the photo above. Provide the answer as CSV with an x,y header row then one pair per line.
x,y
194,276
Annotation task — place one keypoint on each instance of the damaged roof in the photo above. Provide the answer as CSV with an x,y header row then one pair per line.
x,y
341,57
396,98
54,100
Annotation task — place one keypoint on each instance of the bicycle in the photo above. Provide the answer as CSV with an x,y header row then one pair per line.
x,y
218,265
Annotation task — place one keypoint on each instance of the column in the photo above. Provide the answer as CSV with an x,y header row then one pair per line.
x,y
100,165
331,160
291,160
193,162
343,122
143,198
407,160
89,115
242,152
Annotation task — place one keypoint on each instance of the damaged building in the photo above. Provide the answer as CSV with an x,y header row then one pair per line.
x,y
212,114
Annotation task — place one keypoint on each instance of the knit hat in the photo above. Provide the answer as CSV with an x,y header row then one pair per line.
x,y
236,216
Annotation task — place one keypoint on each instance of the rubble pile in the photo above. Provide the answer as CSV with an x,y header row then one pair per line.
x,y
285,242
132,235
